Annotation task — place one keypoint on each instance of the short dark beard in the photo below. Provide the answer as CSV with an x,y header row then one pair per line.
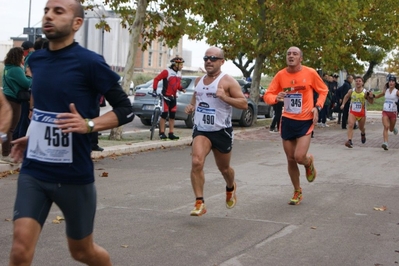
x,y
59,34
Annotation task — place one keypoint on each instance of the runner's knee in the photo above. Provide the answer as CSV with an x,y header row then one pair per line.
x,y
21,254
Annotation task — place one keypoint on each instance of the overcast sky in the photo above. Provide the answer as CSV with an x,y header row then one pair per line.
x,y
14,17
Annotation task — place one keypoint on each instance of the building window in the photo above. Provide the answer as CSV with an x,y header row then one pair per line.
x,y
150,59
160,60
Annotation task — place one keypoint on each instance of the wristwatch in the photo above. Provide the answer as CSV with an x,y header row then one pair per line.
x,y
318,108
90,125
3,137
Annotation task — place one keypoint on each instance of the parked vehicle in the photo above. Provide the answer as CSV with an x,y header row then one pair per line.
x,y
143,105
131,87
145,85
263,108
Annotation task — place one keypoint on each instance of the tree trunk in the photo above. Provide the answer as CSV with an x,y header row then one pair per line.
x,y
256,81
369,71
135,31
116,133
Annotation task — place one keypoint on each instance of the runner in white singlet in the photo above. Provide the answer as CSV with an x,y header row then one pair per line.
x,y
214,96
389,110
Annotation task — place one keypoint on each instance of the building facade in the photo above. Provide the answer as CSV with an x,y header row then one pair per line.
x,y
114,45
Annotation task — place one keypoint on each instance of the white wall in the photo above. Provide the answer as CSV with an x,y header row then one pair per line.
x,y
5,46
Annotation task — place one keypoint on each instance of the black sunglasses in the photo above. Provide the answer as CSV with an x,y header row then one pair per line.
x,y
212,58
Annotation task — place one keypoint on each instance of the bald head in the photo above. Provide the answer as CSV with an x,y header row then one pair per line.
x,y
79,11
216,51
295,49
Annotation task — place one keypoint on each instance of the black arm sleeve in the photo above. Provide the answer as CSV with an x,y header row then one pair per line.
x,y
120,103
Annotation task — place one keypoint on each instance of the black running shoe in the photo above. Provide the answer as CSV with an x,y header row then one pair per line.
x,y
173,137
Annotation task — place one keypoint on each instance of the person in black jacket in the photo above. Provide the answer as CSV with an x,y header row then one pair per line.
x,y
334,86
341,92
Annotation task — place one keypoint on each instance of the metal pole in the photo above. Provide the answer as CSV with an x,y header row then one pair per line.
x,y
30,4
29,36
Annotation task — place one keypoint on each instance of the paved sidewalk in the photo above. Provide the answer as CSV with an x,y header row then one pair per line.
x,y
332,135
348,216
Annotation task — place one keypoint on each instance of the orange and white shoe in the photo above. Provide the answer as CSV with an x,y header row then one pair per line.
x,y
231,198
199,208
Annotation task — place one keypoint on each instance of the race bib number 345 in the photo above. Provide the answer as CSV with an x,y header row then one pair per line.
x,y
293,103
46,141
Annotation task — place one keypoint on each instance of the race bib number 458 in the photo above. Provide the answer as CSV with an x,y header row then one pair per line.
x,y
46,141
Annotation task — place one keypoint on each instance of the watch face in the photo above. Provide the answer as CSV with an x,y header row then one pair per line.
x,y
91,123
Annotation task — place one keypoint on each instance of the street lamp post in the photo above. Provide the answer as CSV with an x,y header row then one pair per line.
x,y
30,4
30,36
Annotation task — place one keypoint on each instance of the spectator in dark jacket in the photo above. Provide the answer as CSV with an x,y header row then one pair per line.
x,y
334,86
341,92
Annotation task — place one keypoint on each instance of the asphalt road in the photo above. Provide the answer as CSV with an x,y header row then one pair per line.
x,y
349,215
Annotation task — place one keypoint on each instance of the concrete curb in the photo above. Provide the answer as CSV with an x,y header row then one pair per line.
x,y
139,147
4,166
134,147
151,145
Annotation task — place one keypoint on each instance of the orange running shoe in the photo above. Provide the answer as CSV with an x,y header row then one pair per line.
x,y
296,198
310,170
199,209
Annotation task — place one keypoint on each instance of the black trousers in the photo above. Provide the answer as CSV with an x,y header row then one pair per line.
x,y
345,114
278,109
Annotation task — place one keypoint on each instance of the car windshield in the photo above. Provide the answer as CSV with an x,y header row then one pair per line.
x,y
185,82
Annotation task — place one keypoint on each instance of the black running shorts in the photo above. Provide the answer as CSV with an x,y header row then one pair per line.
x,y
221,140
77,203
293,129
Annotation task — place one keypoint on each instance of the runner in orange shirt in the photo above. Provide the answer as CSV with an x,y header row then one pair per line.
x,y
295,85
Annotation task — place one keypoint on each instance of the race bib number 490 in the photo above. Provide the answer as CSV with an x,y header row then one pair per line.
x,y
46,141
208,115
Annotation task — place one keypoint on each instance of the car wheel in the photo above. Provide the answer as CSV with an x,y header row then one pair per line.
x,y
145,121
189,120
247,117
270,114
